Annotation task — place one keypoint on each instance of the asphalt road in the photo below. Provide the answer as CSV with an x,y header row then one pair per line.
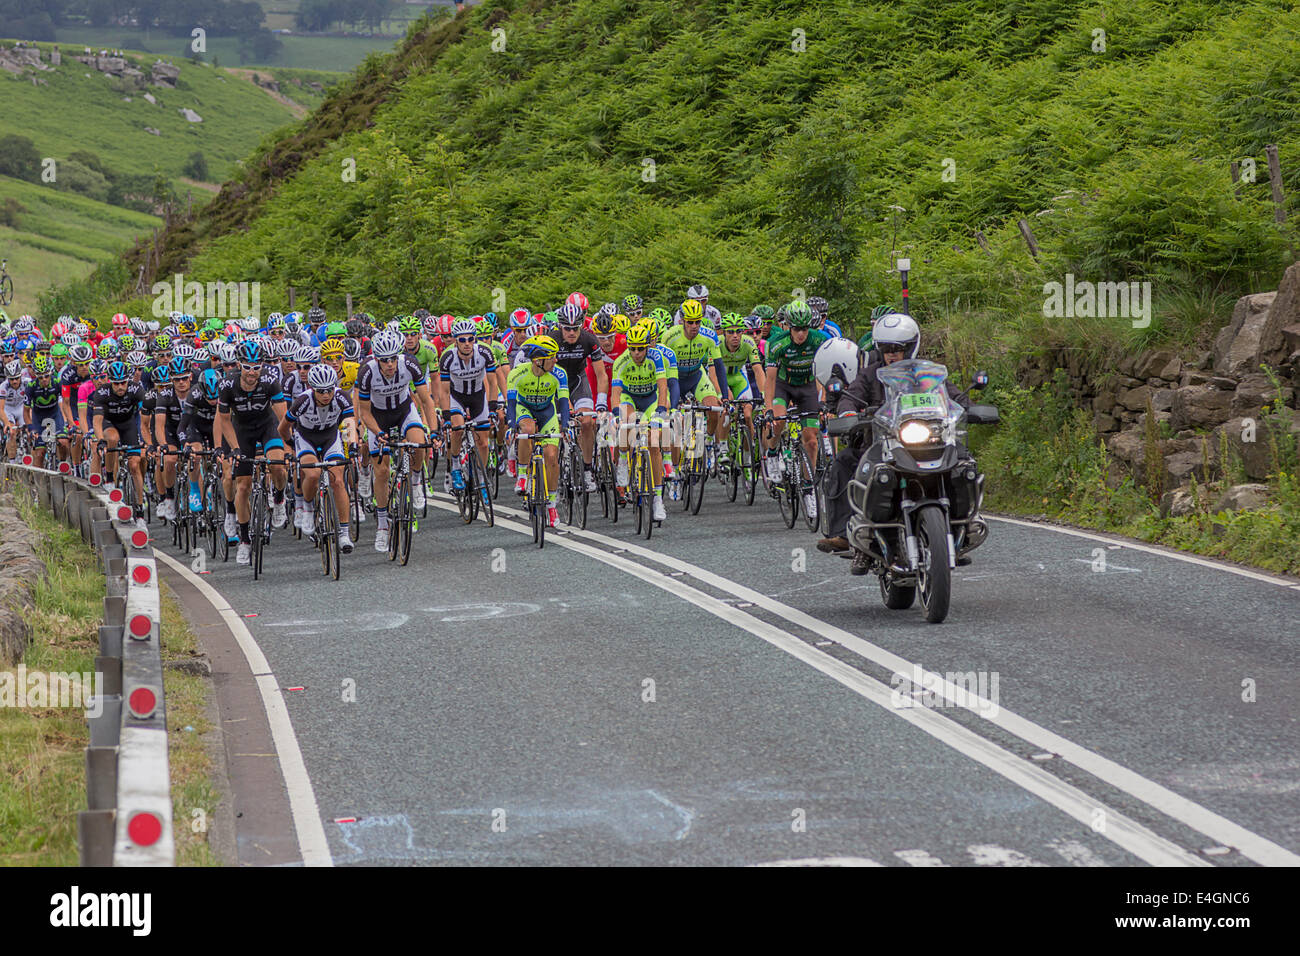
x,y
725,694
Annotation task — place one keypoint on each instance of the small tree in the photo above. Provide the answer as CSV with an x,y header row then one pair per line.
x,y
196,167
19,158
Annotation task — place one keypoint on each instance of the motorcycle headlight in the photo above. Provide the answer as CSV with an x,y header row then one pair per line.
x,y
914,433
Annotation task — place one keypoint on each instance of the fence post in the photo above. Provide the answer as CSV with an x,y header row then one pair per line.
x,y
291,298
1029,238
1275,179
315,299
349,297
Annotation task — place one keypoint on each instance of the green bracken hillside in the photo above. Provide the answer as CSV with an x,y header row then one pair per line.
x,y
639,145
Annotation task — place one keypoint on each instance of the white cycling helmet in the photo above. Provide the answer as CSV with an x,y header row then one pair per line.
x,y
387,344
897,329
836,359
322,377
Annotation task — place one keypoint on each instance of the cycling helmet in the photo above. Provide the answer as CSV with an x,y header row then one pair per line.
x,y
315,315
663,326
108,349
692,311
305,354
421,314
387,344
897,329
41,365
163,343
569,314
250,352
639,336
632,303
765,313
732,322
445,322
120,321
622,323
13,370
331,349
799,315
126,342
57,349
698,291
292,320
322,377
463,327
486,329
57,330
541,346
358,327
185,352
819,306
275,320
81,353
836,360
138,326
351,350
137,359
578,299
430,323
658,315
520,319
602,323
336,330
226,352
179,366
118,372
98,368
211,384
162,375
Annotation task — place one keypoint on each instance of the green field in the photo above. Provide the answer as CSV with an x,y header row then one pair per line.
x,y
75,111
307,53
60,237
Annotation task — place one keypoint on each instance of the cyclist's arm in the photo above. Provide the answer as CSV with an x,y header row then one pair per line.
x,y
367,417
285,431
99,426
159,432
426,403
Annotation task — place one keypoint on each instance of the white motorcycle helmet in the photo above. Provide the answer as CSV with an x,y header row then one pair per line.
x,y
897,329
836,359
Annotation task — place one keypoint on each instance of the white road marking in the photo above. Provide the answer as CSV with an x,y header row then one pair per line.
x,y
988,854
1128,834
1149,549
1076,854
686,813
918,858
302,798
823,860
1110,567
1185,811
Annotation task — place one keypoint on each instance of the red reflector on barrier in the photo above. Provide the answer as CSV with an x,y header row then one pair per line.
x,y
94,481
124,513
115,495
64,468
141,626
139,538
142,702
141,574
144,829
27,459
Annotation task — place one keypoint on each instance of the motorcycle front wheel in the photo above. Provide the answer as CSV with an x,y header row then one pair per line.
x,y
934,575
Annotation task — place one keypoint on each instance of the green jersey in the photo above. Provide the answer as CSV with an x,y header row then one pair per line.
x,y
794,362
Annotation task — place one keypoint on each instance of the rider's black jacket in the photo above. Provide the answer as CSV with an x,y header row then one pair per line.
x,y
868,393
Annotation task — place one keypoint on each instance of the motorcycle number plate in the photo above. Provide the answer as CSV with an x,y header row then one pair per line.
x,y
909,403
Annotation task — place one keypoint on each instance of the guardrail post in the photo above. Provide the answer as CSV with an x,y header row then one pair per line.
x,y
101,778
95,836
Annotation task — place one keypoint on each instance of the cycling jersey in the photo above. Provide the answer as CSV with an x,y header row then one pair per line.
x,y
170,408
14,402
316,427
538,397
197,416
793,362
390,395
639,381
253,407
466,375
573,359
693,355
425,355
117,409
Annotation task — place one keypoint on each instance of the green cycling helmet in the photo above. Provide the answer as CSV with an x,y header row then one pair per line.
x,y
732,322
764,312
799,315
336,330
162,342
108,349
408,325
880,310
657,316
58,349
665,323
485,329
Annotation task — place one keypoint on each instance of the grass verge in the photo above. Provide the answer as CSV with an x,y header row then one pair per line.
x,y
42,765
194,793
1045,461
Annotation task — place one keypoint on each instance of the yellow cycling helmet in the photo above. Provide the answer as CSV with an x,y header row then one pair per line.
x,y
622,323
541,346
331,348
692,311
639,335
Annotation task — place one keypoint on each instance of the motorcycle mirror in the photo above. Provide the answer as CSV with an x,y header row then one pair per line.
x,y
981,380
983,415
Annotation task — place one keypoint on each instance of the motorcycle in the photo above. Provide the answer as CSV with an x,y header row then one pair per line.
x,y
916,494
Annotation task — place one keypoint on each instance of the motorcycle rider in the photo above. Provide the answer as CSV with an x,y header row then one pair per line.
x,y
897,337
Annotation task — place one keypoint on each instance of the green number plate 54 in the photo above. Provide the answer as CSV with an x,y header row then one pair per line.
x,y
908,403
